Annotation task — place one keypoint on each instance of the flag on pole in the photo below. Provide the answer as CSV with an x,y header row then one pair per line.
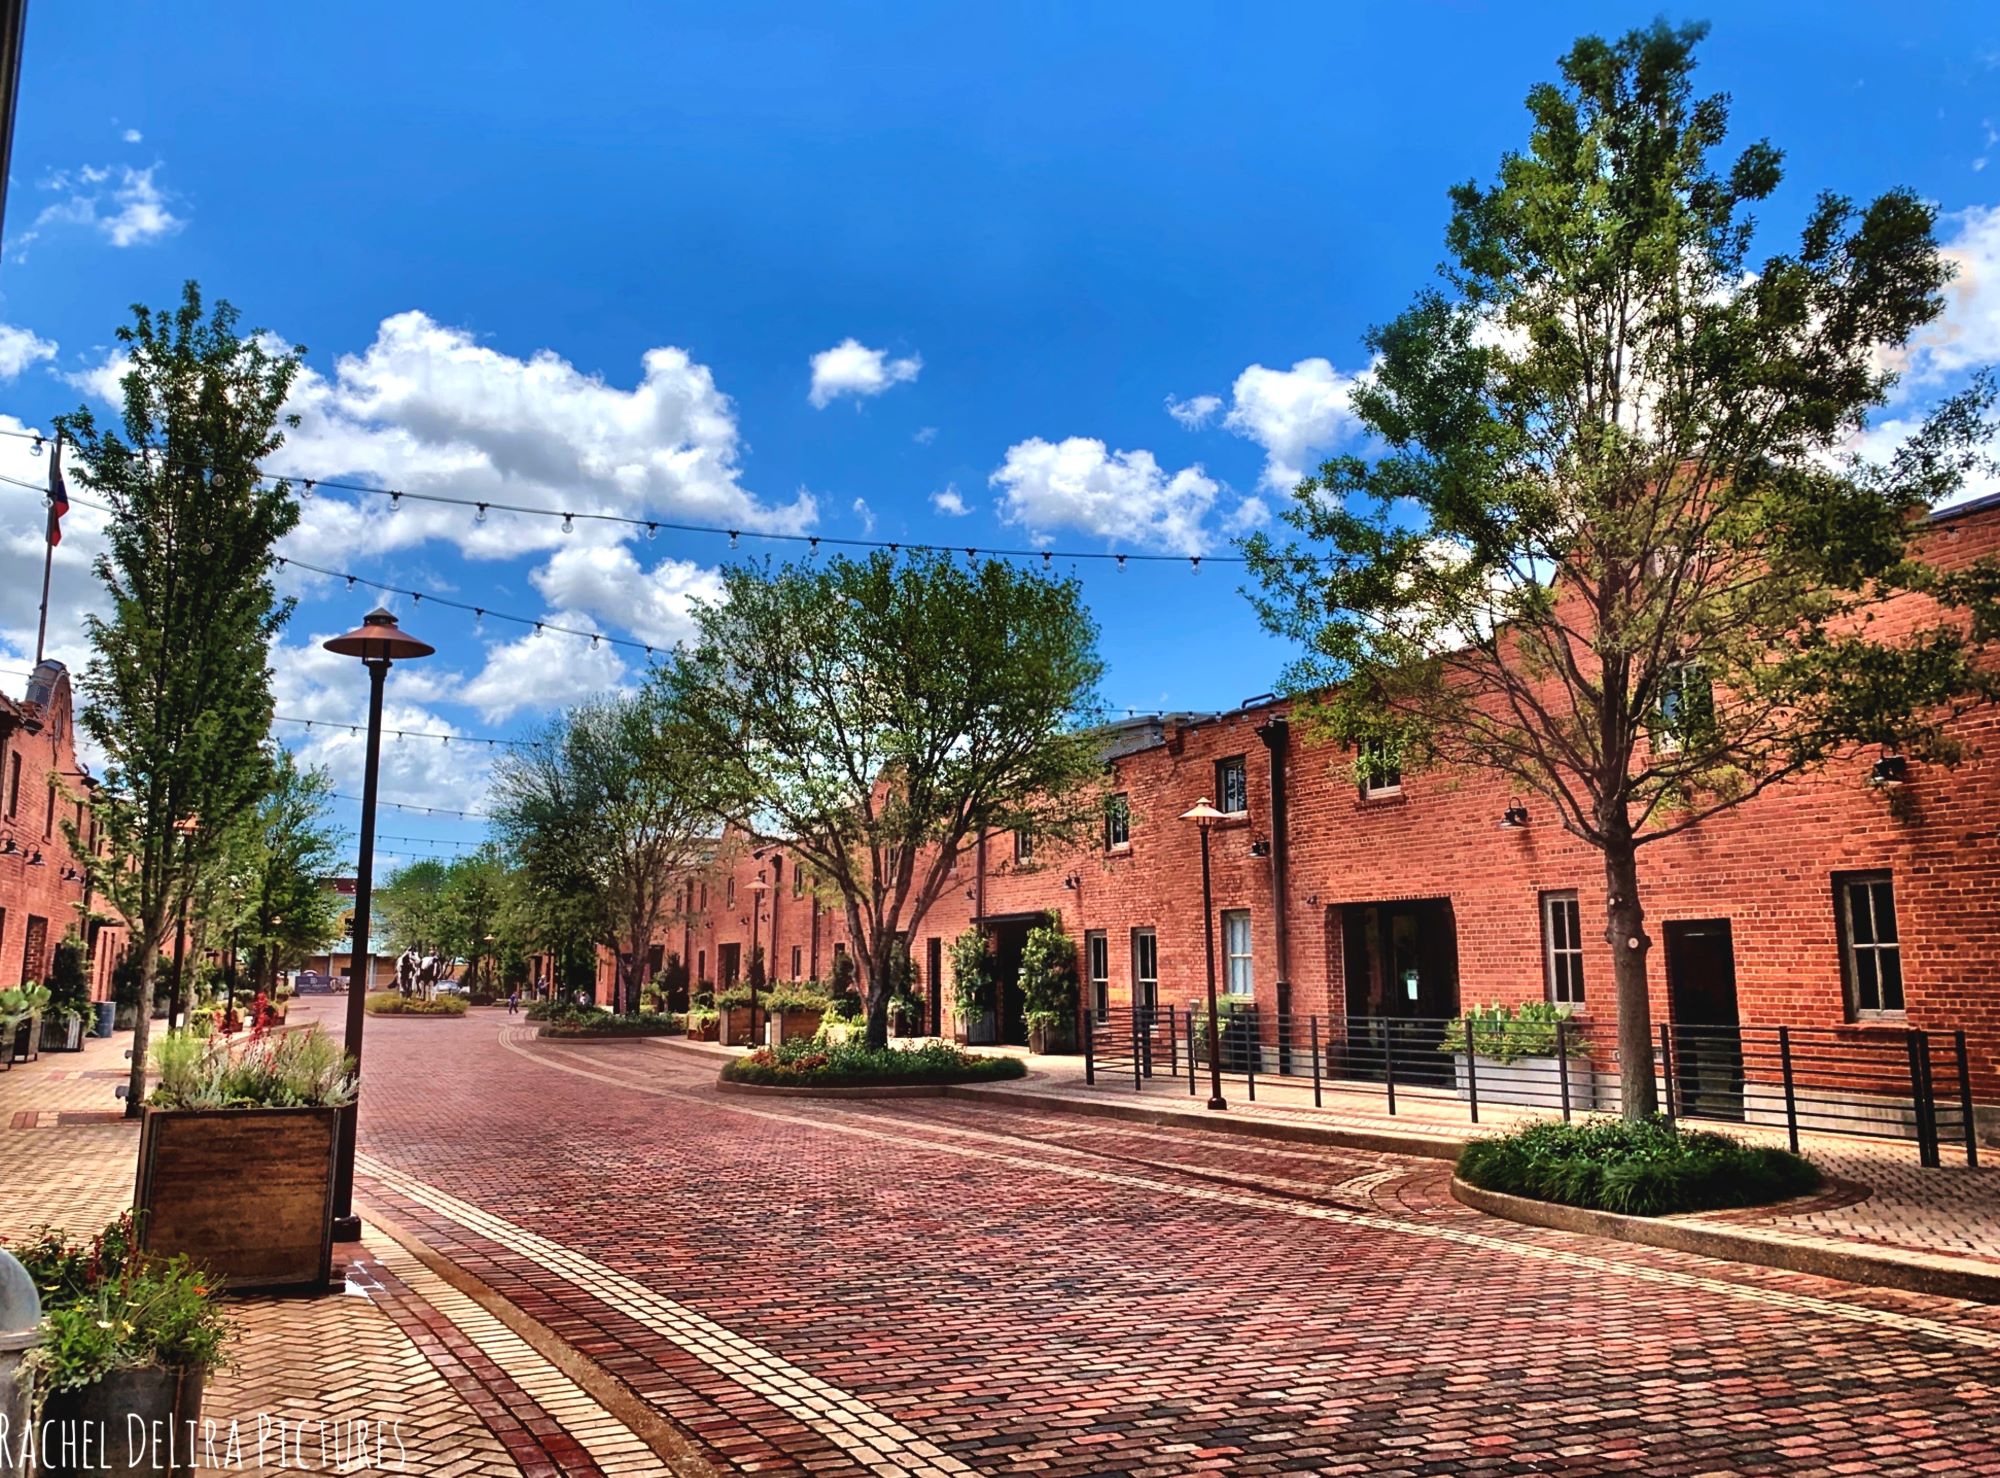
x,y
58,495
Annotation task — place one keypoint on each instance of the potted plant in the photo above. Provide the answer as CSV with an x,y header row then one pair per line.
x,y
236,1155
127,1341
796,1010
736,1021
906,1006
68,1010
21,1008
1516,1057
701,1023
972,988
1048,987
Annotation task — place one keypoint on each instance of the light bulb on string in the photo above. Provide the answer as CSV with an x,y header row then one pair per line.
x,y
395,501
732,538
35,447
569,525
1121,564
480,516
652,531
306,489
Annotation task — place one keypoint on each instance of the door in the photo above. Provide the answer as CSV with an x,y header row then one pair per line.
x,y
1706,1032
934,973
728,965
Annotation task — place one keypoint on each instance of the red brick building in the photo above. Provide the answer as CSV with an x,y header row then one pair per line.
x,y
44,888
1853,898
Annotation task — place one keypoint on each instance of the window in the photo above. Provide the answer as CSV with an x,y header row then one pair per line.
x,y
798,882
14,784
701,967
1236,951
1380,775
1117,823
1145,969
729,899
1686,708
704,896
1024,846
1097,960
1232,785
1562,949
1871,949
49,820
798,956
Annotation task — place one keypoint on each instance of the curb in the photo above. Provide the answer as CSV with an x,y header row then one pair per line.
x,y
545,1035
885,1090
1911,1271
1424,1147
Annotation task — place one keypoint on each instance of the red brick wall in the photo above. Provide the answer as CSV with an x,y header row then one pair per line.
x,y
1767,867
28,891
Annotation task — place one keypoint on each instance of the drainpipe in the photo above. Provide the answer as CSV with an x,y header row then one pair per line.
x,y
1276,734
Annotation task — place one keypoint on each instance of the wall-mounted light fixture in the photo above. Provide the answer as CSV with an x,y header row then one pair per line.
x,y
35,858
8,847
1514,818
1889,772
1260,848
1312,900
1072,882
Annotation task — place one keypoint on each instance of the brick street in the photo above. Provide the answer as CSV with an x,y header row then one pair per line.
x,y
933,1286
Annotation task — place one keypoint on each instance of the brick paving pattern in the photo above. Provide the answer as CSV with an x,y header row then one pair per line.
x,y
928,1286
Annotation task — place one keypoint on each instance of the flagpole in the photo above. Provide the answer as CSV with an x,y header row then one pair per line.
x,y
48,547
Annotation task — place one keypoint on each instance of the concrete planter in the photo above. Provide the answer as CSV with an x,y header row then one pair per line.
x,y
135,1421
1532,1082
246,1192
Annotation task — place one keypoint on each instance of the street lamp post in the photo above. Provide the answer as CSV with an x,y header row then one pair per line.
x,y
377,642
757,891
1202,814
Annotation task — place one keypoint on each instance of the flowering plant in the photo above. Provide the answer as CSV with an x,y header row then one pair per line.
x,y
108,1306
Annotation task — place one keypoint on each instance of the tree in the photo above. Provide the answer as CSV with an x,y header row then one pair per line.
x,y
289,912
1617,546
876,716
614,805
177,693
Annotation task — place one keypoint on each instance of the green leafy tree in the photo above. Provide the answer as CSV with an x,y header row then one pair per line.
x,y
1616,545
416,907
291,849
177,694
614,806
876,716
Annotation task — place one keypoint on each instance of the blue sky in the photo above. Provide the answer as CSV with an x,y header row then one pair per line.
x,y
587,258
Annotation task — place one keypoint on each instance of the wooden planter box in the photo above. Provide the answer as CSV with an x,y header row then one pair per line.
x,y
705,1032
1052,1040
737,1027
794,1024
247,1193
60,1035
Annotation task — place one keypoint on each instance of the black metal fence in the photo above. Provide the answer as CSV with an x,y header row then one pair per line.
x,y
1879,1083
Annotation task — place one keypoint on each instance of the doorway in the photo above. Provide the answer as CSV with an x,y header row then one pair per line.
x,y
934,973
1009,937
1401,967
1706,1031
728,965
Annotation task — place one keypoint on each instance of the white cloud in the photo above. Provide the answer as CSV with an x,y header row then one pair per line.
x,y
124,205
19,348
133,136
1967,334
1078,484
950,502
1247,515
1194,412
851,368
542,670
1293,414
607,585
924,435
428,409
866,514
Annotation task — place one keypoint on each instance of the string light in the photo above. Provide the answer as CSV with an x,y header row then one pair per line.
x,y
569,524
490,741
480,516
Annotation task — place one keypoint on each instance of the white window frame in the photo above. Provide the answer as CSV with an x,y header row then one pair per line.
x,y
1373,788
1562,949
1118,814
1097,963
1874,951
1239,972
1145,987
1024,848
1240,766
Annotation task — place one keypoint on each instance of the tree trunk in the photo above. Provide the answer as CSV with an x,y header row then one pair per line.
x,y
878,1005
142,1032
1625,931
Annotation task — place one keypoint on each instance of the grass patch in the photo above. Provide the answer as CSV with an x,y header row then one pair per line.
x,y
395,1003
813,1063
1646,1167
590,1021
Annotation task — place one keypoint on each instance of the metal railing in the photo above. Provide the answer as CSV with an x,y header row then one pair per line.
x,y
1879,1083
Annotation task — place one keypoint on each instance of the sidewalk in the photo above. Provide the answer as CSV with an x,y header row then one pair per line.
x,y
1881,1203
450,1388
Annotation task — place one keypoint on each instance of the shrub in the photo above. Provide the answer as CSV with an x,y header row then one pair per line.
x,y
304,1069
1645,1167
701,1018
107,1306
1048,975
819,1062
69,983
971,975
395,1003
1508,1033
795,998
578,1021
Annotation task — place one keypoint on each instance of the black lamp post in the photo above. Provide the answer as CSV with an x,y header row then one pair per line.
x,y
757,891
1202,814
378,643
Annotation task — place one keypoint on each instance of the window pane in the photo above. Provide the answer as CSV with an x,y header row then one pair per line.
x,y
1883,896
1867,985
1860,913
1890,965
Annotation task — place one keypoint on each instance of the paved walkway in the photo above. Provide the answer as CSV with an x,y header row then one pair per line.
x,y
401,1373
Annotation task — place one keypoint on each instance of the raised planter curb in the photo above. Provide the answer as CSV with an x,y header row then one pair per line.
x,y
1422,1146
543,1034
1911,1270
881,1090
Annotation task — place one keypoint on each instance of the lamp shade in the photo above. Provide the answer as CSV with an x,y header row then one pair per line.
x,y
379,639
1201,811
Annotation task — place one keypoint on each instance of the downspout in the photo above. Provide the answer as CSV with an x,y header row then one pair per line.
x,y
1276,734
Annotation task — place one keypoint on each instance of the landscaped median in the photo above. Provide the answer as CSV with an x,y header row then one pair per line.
x,y
593,1023
395,1003
810,1065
